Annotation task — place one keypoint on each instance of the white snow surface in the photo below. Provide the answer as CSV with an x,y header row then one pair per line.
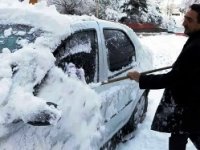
x,y
165,49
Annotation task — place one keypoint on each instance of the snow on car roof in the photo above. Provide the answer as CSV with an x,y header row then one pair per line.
x,y
39,15
42,17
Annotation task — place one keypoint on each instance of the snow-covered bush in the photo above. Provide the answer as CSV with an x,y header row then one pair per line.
x,y
78,7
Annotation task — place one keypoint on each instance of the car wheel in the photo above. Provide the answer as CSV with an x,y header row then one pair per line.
x,y
137,116
111,144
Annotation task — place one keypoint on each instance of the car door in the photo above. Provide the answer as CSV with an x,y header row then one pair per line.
x,y
119,97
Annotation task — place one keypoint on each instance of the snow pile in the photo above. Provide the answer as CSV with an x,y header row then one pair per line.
x,y
76,123
22,71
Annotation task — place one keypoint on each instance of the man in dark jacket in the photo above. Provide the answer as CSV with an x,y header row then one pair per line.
x,y
179,110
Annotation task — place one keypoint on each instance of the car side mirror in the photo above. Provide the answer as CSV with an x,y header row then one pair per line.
x,y
43,118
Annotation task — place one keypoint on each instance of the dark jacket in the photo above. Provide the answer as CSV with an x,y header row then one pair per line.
x,y
179,109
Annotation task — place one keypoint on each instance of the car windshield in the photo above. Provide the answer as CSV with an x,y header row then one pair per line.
x,y
14,36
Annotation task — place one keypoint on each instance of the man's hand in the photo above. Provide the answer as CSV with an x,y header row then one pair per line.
x,y
134,75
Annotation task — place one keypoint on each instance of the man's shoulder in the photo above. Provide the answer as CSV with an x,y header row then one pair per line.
x,y
193,42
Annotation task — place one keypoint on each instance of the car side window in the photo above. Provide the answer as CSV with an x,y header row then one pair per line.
x,y
121,50
79,49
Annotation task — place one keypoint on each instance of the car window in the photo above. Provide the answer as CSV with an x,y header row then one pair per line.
x,y
79,49
121,50
13,36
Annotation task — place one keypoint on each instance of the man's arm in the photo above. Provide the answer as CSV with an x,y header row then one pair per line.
x,y
151,81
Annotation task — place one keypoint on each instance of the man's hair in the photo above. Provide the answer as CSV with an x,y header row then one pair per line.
x,y
196,8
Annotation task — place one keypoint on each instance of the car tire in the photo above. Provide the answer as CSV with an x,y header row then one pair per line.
x,y
111,144
137,116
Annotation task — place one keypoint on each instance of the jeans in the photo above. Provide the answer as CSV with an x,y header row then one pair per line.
x,y
178,141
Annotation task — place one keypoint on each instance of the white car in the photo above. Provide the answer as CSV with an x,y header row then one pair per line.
x,y
85,48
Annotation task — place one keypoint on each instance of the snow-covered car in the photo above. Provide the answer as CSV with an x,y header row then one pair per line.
x,y
62,60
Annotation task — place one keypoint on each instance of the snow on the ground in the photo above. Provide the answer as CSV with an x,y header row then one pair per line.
x,y
165,49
